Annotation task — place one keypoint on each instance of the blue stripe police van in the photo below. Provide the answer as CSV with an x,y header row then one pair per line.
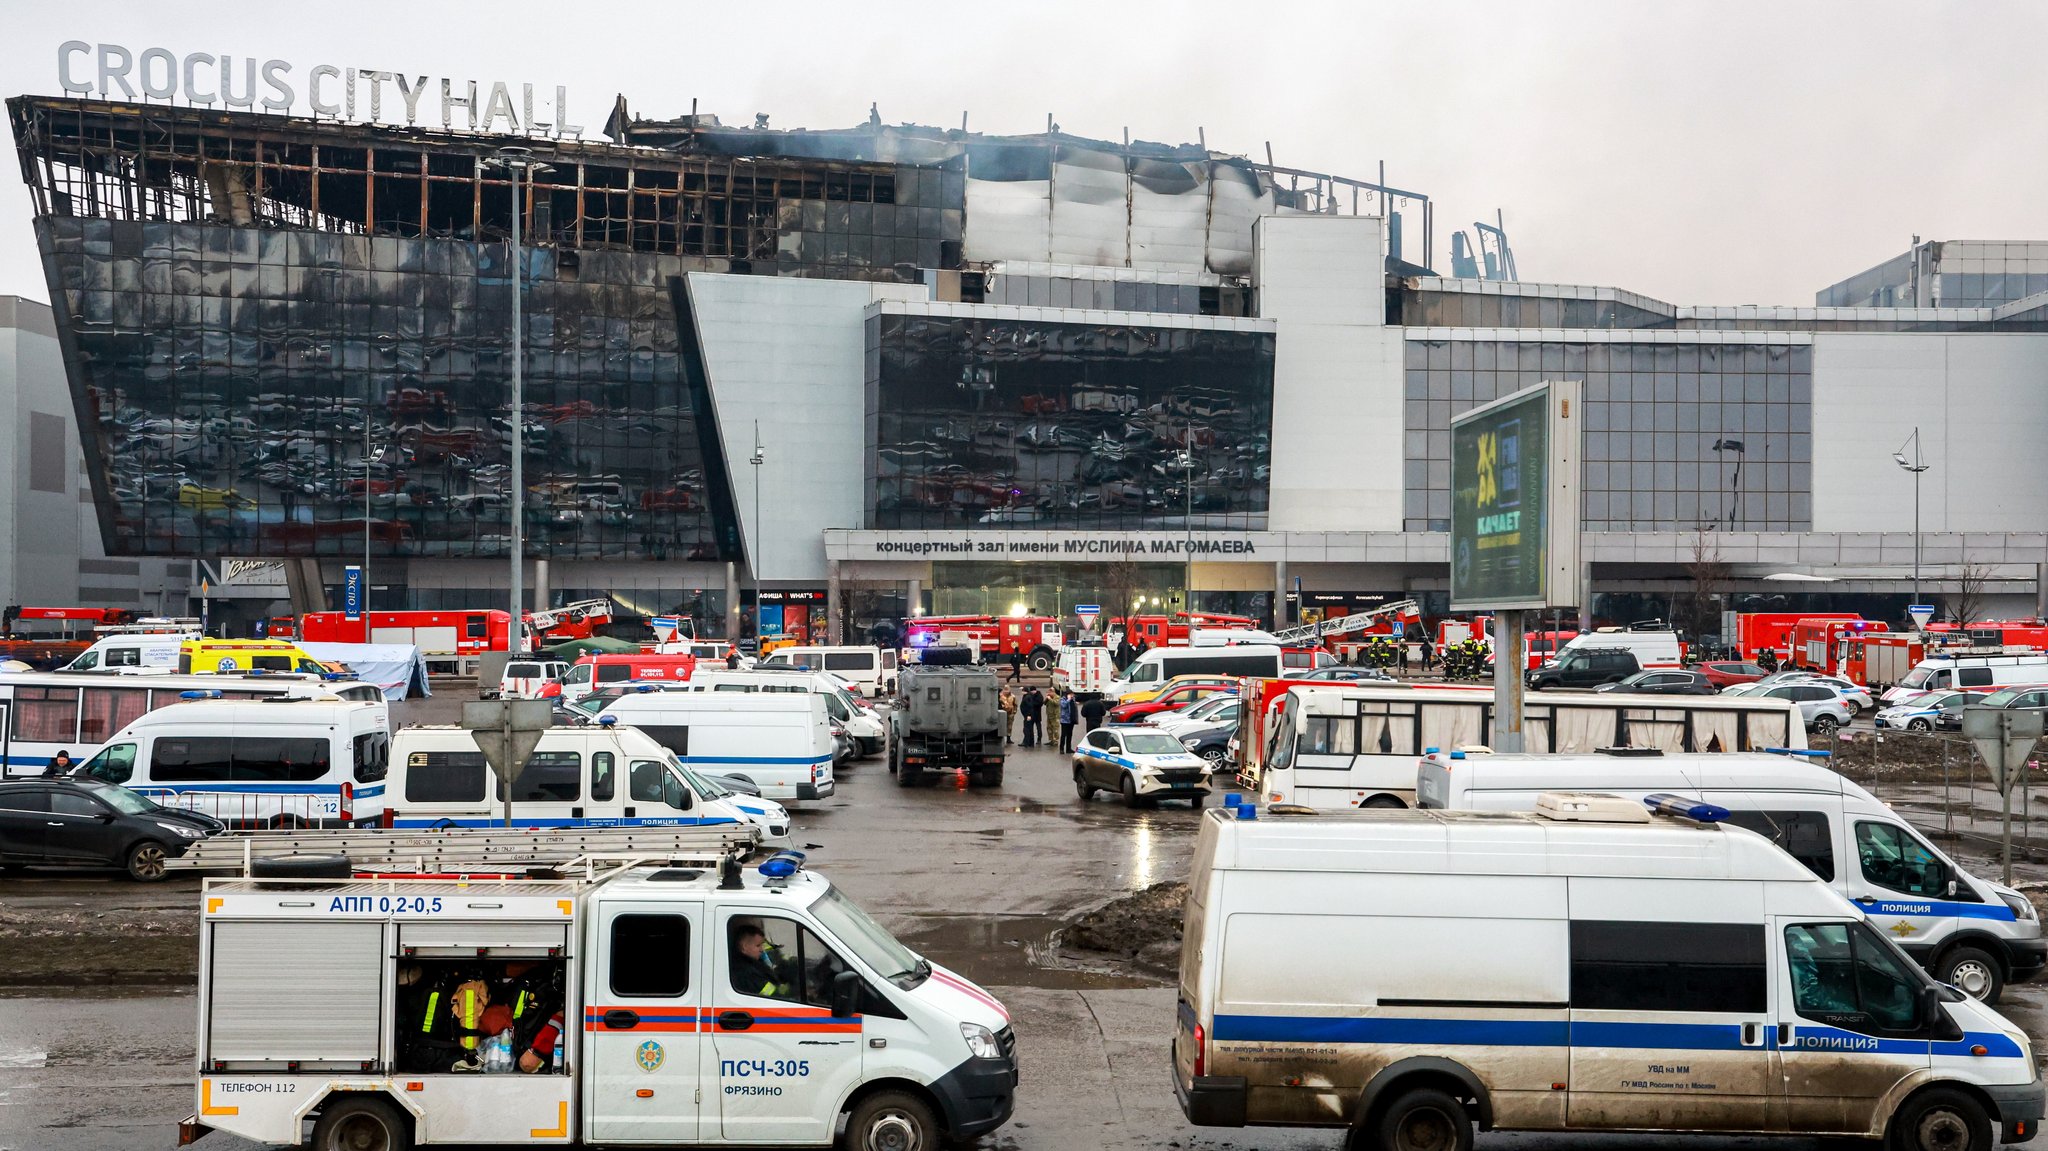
x,y
610,775
1966,930
1587,966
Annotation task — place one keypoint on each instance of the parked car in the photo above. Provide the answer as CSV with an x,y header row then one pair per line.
x,y
1820,705
1341,675
1726,674
76,822
1585,667
2029,698
1662,681
1210,741
1211,712
1854,694
1926,711
1174,696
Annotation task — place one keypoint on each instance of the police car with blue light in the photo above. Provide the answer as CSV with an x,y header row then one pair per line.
x,y
1140,762
1596,964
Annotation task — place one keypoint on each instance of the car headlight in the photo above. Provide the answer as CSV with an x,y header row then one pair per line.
x,y
1191,743
981,1042
2022,907
181,829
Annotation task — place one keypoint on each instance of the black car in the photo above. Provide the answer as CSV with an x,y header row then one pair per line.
x,y
77,822
1586,667
1210,741
1664,681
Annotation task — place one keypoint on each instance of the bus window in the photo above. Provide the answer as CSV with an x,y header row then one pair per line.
x,y
46,714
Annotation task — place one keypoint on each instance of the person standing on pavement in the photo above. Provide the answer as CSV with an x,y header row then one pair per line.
x,y
1016,666
1124,654
1068,714
1092,713
1033,705
1008,703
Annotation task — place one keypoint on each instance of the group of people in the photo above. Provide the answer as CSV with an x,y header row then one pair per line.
x,y
1041,711
493,1016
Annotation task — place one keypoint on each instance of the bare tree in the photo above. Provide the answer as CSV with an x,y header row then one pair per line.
x,y
1709,575
1121,583
1966,604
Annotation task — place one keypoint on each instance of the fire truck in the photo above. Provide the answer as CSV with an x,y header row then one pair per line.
x,y
2007,635
579,620
1881,659
450,641
1822,642
1037,638
1760,631
1172,630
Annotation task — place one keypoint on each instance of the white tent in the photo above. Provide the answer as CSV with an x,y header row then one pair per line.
x,y
395,667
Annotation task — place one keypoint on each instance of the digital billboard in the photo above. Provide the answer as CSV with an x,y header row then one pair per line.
x,y
1515,501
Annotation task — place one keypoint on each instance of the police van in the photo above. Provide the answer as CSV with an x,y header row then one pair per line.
x,y
781,742
869,734
687,1001
1586,966
1969,932
272,762
609,775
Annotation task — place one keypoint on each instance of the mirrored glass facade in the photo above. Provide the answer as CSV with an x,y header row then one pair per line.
x,y
230,373
1677,435
996,422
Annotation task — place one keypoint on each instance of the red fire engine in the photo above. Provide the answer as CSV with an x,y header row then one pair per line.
x,y
1760,631
2006,634
1881,659
465,634
1822,642
1037,638
1172,630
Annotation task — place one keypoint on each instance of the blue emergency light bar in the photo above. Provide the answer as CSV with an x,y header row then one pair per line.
x,y
607,720
1666,804
782,864
1807,753
644,688
1233,798
208,694
1246,811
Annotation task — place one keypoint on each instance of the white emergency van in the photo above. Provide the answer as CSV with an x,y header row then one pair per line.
x,y
1651,648
781,742
130,653
527,678
1149,671
869,734
684,1002
1970,673
1586,966
1969,932
870,669
273,762
609,775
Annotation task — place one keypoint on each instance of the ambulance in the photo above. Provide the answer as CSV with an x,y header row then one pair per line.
x,y
690,1001
1597,964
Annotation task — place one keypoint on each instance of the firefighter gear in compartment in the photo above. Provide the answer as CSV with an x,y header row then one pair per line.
x,y
469,1016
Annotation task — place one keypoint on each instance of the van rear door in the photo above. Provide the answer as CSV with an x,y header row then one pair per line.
x,y
641,1019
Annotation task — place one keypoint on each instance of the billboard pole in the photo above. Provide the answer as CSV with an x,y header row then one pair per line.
x,y
1509,660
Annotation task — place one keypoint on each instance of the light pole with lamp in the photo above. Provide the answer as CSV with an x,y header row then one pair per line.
x,y
1187,455
520,162
1916,466
759,457
1735,493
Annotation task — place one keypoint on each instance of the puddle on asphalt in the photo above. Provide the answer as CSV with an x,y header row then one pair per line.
x,y
1014,951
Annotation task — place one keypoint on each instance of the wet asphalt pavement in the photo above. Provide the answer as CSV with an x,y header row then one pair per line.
x,y
978,880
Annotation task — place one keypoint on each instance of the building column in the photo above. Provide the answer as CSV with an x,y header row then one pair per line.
x,y
732,601
1280,590
835,619
1586,596
542,595
913,595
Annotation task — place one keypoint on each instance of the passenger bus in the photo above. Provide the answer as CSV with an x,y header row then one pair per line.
x,y
1357,745
43,713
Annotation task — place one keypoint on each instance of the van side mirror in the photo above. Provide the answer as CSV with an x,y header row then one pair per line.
x,y
846,994
1951,887
1931,1014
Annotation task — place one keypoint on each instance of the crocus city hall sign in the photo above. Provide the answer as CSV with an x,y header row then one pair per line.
x,y
243,82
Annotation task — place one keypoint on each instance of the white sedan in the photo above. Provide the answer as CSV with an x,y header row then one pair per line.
x,y
1141,763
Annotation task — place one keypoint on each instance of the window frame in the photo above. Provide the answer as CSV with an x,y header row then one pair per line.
x,y
1611,961
663,949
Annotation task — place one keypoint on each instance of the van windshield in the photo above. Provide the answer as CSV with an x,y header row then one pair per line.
x,y
868,940
698,783
1918,677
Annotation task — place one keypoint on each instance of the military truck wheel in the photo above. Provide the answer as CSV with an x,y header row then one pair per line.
x,y
986,778
909,776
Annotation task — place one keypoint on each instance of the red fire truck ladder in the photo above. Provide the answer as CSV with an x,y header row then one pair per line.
x,y
1344,625
543,622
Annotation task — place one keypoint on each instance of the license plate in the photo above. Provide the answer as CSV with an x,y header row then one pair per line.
x,y
1180,785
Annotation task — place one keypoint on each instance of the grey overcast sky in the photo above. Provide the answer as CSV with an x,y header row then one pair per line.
x,y
1725,153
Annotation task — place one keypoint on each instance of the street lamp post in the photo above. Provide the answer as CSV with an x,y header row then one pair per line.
x,y
520,162
759,457
1916,466
1187,595
1735,493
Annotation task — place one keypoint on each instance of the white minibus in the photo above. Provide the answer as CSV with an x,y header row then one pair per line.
x,y
781,742
609,775
1355,744
1412,975
1967,931
257,763
1151,670
43,713
123,652
869,669
869,734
